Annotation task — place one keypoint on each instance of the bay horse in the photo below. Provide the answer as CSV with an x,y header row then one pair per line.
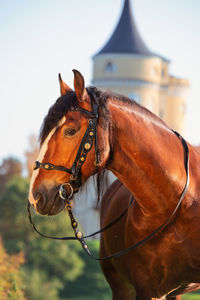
x,y
88,130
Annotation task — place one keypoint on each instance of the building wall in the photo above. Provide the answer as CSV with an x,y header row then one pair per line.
x,y
137,77
86,210
145,79
176,103
130,67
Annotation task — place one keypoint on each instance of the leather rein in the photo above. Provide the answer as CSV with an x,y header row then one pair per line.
x,y
75,183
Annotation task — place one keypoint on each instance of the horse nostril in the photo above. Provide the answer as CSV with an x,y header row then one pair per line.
x,y
41,200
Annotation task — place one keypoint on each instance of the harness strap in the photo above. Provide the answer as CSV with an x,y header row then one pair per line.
x,y
79,236
49,166
85,146
74,223
168,220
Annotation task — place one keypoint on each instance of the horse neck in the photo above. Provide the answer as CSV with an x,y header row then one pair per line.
x,y
147,157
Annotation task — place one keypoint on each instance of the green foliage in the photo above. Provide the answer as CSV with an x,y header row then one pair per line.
x,y
53,269
51,264
91,284
13,223
9,167
56,270
190,296
38,286
10,283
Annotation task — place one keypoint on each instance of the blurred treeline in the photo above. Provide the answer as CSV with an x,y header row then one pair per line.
x,y
35,268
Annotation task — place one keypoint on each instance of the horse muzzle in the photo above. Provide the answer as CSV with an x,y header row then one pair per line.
x,y
48,202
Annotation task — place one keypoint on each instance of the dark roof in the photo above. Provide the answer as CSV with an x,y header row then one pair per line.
x,y
126,37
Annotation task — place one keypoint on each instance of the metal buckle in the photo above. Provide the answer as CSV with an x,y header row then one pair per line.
x,y
62,191
36,165
72,177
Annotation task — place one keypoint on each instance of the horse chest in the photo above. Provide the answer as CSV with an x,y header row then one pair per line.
x,y
169,258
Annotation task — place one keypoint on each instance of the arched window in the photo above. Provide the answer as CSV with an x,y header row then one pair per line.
x,y
110,67
163,73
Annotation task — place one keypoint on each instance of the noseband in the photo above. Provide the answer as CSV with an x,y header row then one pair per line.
x,y
85,146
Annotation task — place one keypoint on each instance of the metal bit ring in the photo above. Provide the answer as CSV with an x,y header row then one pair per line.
x,y
62,191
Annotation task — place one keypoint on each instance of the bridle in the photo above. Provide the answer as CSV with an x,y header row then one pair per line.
x,y
85,146
75,183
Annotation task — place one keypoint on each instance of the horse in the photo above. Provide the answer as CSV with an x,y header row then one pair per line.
x,y
87,131
117,198
114,201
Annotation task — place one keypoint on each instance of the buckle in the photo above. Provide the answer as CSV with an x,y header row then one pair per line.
x,y
36,165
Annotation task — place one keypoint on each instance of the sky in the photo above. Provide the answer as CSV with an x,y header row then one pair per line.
x,y
41,38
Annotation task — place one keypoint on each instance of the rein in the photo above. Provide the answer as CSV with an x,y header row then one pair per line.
x,y
78,234
75,183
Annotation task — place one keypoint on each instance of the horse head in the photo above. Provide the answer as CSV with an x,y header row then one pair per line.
x,y
74,145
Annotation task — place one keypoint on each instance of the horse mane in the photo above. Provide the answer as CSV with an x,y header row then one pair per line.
x,y
63,104
55,113
61,107
138,108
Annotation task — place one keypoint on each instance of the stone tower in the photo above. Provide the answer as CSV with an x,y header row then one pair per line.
x,y
126,66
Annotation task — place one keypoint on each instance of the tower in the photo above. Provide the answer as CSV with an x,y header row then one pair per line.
x,y
126,65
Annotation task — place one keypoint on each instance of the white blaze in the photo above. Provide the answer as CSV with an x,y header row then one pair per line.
x,y
40,158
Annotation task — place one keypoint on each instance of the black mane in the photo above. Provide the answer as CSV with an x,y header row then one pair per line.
x,y
61,107
55,113
63,104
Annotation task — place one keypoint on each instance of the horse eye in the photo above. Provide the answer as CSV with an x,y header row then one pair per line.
x,y
69,132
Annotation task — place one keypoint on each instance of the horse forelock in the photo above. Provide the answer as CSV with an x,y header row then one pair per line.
x,y
61,107
55,114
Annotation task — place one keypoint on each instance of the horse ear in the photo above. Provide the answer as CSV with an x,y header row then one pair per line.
x,y
64,88
79,86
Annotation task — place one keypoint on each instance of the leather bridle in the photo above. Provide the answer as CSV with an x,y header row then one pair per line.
x,y
75,183
85,146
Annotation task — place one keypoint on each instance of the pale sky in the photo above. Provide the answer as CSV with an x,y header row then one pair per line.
x,y
40,38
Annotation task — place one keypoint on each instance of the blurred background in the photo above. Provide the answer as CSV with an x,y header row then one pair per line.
x,y
145,49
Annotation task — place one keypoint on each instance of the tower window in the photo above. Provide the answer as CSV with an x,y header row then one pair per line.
x,y
110,67
163,72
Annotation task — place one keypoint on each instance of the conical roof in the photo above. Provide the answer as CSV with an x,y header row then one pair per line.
x,y
126,37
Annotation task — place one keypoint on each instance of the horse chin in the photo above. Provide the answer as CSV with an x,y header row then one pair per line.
x,y
57,207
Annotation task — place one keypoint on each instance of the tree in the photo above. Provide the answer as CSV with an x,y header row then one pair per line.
x,y
10,283
50,265
31,154
8,168
91,284
13,223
